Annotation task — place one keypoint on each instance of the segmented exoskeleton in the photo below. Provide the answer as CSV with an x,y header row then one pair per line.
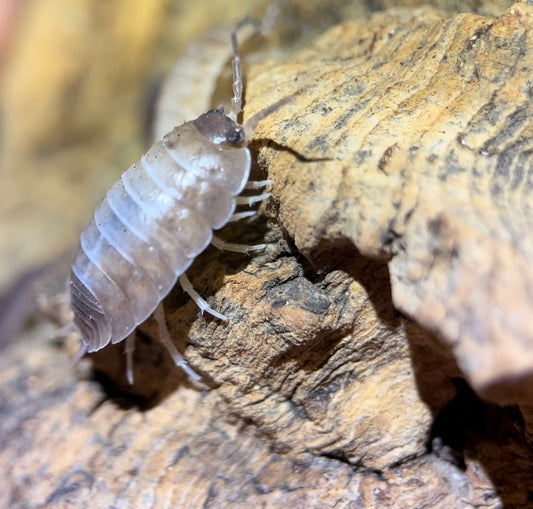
x,y
157,218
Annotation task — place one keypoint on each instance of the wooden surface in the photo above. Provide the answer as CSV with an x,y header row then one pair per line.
x,y
426,121
394,291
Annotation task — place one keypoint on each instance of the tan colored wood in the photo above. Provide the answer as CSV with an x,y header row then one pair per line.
x,y
394,271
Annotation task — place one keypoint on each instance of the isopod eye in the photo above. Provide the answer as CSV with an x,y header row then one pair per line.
x,y
237,137
220,129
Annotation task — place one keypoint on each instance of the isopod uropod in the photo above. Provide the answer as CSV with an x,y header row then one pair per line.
x,y
156,219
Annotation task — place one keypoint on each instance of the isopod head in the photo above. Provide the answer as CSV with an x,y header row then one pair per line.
x,y
220,129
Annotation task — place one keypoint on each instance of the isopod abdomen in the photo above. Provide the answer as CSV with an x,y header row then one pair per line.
x,y
156,219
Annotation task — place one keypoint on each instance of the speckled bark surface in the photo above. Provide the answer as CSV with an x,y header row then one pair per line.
x,y
339,379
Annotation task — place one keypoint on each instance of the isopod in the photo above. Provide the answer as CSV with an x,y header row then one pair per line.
x,y
157,219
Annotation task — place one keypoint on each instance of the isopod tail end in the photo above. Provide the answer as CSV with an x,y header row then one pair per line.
x,y
70,328
82,350
129,348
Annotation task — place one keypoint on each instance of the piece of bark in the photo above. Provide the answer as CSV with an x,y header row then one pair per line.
x,y
322,393
426,122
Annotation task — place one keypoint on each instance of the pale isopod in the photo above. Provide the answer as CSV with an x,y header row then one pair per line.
x,y
156,219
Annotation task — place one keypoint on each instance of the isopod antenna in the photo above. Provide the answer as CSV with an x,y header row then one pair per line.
x,y
236,101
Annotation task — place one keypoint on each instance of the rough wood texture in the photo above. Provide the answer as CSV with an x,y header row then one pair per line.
x,y
319,391
427,125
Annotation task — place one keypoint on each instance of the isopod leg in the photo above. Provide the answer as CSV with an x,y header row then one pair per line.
x,y
201,303
241,215
129,348
82,350
258,184
235,248
164,336
250,200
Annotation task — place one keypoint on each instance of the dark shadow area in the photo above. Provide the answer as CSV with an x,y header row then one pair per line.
x,y
371,273
310,290
466,428
155,376
259,143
